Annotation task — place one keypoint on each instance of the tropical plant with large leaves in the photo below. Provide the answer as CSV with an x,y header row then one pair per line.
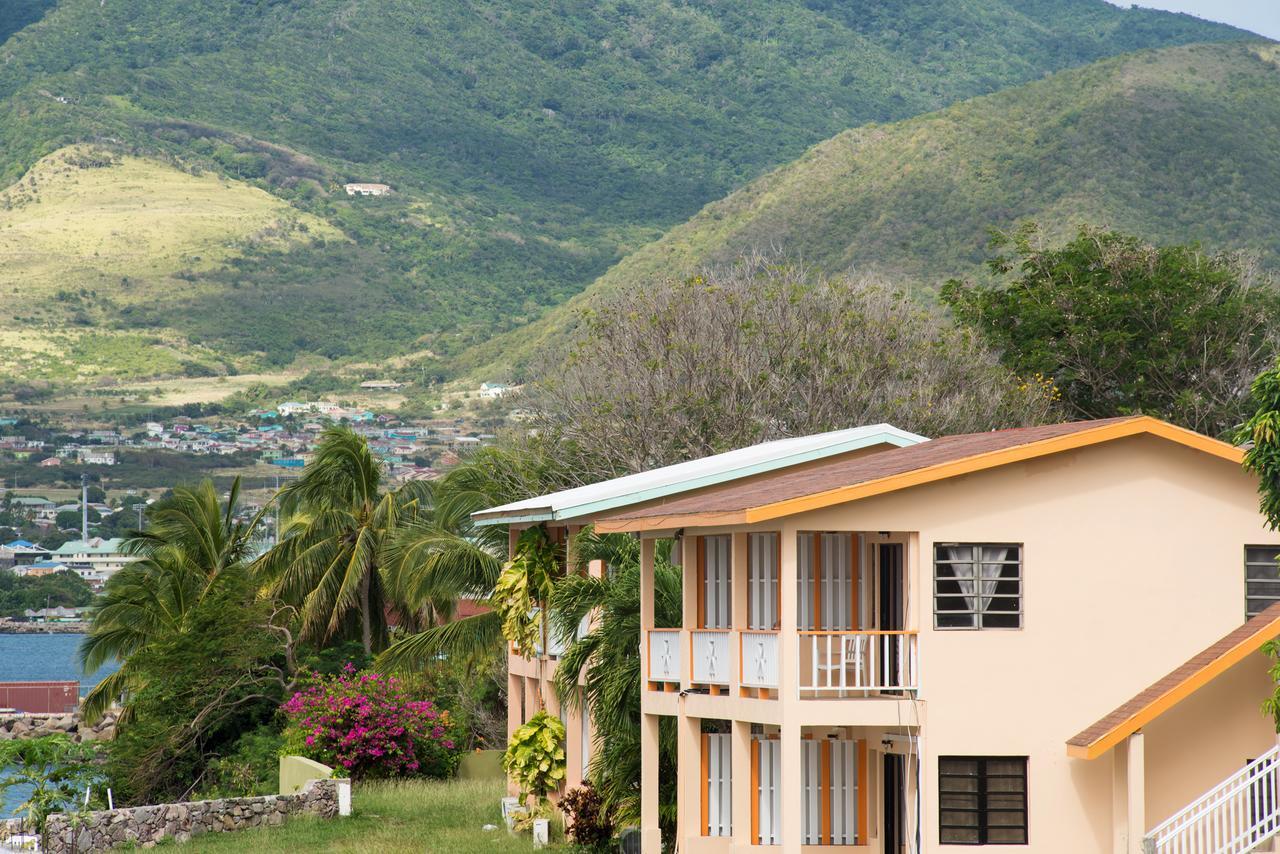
x,y
600,671
193,544
330,558
443,555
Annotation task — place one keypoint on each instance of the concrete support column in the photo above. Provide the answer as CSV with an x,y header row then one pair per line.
x,y
743,790
1119,802
650,832
1137,791
791,784
689,773
739,610
646,586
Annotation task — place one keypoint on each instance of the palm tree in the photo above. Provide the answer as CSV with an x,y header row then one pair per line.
x,y
341,520
193,545
607,660
441,556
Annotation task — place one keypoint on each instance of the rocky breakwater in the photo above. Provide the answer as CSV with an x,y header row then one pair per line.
x,y
35,726
13,627
145,826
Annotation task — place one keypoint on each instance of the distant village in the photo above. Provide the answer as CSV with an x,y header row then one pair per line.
x,y
283,437
280,439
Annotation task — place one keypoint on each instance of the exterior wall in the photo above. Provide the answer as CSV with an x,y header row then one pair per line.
x,y
1132,563
1208,736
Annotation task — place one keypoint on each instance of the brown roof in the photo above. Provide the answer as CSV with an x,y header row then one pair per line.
x,y
839,480
1176,686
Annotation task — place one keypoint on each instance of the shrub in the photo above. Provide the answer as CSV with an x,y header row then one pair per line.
x,y
588,824
251,768
366,724
535,757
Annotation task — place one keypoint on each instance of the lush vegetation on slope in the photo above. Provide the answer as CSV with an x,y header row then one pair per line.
x,y
1174,145
530,145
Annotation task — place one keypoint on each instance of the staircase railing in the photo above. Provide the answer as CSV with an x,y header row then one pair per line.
x,y
1234,817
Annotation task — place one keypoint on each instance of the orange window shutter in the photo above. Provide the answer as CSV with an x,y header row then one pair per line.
x,y
863,786
705,784
755,791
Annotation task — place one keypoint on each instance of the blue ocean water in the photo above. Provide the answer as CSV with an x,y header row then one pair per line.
x,y
37,658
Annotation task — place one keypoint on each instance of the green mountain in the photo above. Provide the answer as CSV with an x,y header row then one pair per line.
x,y
1174,145
530,144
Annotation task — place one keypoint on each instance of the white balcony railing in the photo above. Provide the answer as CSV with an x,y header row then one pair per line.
x,y
839,664
711,656
759,653
665,654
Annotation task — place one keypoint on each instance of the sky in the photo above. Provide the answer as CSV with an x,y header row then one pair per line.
x,y
1260,16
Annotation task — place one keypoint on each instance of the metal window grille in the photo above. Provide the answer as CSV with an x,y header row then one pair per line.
x,y
1261,579
977,586
982,800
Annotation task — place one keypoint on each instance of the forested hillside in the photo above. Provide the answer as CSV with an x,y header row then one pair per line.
x,y
1176,145
530,144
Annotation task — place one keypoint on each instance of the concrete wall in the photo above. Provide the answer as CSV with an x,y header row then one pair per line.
x,y
481,765
144,826
297,771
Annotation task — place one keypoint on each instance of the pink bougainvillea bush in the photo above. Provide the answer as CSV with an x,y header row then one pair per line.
x,y
365,725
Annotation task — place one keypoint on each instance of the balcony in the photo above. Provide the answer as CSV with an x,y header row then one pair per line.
x,y
830,665
846,664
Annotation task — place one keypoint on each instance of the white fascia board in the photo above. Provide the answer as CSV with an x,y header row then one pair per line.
x,y
596,499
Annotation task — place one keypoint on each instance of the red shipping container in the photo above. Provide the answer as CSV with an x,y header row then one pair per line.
x,y
40,698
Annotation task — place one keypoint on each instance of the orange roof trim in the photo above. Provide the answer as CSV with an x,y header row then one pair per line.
x,y
1176,686
1038,442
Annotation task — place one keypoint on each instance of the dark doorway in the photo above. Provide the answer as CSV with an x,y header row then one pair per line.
x,y
894,805
890,608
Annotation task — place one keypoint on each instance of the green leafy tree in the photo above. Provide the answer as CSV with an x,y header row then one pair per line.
x,y
1123,327
196,693
442,555
600,673
1260,435
192,545
330,559
55,769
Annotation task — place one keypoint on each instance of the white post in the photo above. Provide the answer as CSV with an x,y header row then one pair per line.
x,y
1137,788
1119,802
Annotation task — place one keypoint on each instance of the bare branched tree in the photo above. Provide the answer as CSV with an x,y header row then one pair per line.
x,y
757,351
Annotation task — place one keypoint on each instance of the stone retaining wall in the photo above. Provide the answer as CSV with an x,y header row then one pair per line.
x,y
144,826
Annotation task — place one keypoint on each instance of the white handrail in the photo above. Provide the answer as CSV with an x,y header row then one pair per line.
x,y
1233,817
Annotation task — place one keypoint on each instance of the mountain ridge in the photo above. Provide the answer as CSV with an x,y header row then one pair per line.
x,y
530,146
1176,145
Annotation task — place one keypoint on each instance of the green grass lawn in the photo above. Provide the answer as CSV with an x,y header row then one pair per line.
x,y
420,816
